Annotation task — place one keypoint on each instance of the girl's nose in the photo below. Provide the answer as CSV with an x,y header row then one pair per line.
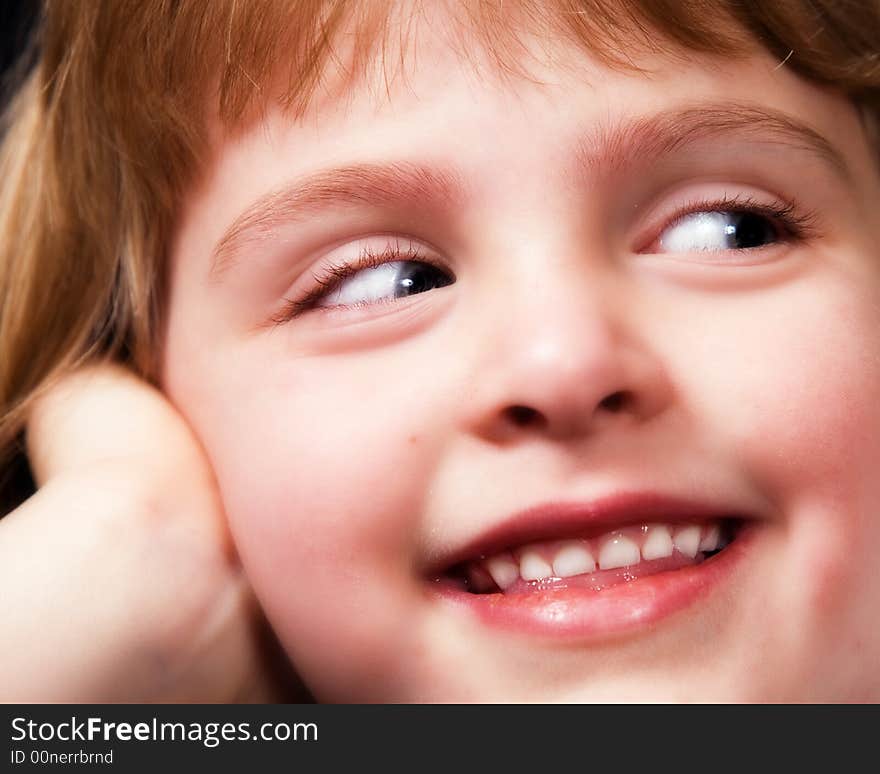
x,y
574,363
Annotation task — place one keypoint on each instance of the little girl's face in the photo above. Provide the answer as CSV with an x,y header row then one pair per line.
x,y
488,372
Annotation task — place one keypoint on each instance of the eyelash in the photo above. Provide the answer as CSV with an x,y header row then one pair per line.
x,y
797,225
334,274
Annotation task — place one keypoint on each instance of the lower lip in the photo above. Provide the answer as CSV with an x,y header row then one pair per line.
x,y
572,613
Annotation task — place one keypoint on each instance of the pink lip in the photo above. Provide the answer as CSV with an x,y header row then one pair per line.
x,y
579,613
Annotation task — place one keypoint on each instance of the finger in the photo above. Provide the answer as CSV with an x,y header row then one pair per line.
x,y
105,602
105,413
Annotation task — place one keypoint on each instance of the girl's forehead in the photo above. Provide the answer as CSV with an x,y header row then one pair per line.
x,y
432,83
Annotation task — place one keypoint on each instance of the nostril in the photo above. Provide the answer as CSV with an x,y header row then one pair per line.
x,y
526,416
523,416
614,402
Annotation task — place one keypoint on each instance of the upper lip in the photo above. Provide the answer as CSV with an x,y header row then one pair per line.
x,y
556,520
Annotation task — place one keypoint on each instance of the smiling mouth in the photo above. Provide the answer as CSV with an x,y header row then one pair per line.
x,y
595,563
589,570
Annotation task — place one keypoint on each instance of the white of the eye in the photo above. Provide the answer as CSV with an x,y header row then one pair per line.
x,y
365,286
699,231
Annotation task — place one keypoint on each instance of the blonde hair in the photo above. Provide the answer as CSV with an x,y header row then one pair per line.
x,y
109,130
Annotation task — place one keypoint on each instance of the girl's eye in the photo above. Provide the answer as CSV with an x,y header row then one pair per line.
x,y
719,230
385,282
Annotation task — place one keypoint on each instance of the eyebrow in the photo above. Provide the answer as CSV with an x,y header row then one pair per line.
x,y
376,185
611,148
603,150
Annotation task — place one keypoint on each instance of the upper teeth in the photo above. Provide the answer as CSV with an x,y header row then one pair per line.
x,y
573,559
620,548
658,543
687,540
618,551
504,571
533,567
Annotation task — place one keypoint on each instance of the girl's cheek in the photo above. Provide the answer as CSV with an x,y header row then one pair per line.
x,y
806,427
324,492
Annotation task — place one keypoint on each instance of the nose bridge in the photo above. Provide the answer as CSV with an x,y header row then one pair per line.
x,y
565,355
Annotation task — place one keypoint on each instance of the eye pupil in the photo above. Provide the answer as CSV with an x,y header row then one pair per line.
x,y
415,277
749,230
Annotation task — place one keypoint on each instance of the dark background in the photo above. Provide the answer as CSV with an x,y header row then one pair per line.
x,y
17,21
17,18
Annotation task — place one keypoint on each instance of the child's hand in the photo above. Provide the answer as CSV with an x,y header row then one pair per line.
x,y
118,581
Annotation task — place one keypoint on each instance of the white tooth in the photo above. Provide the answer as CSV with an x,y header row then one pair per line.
x,y
573,559
658,543
687,540
503,571
711,538
533,567
618,551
